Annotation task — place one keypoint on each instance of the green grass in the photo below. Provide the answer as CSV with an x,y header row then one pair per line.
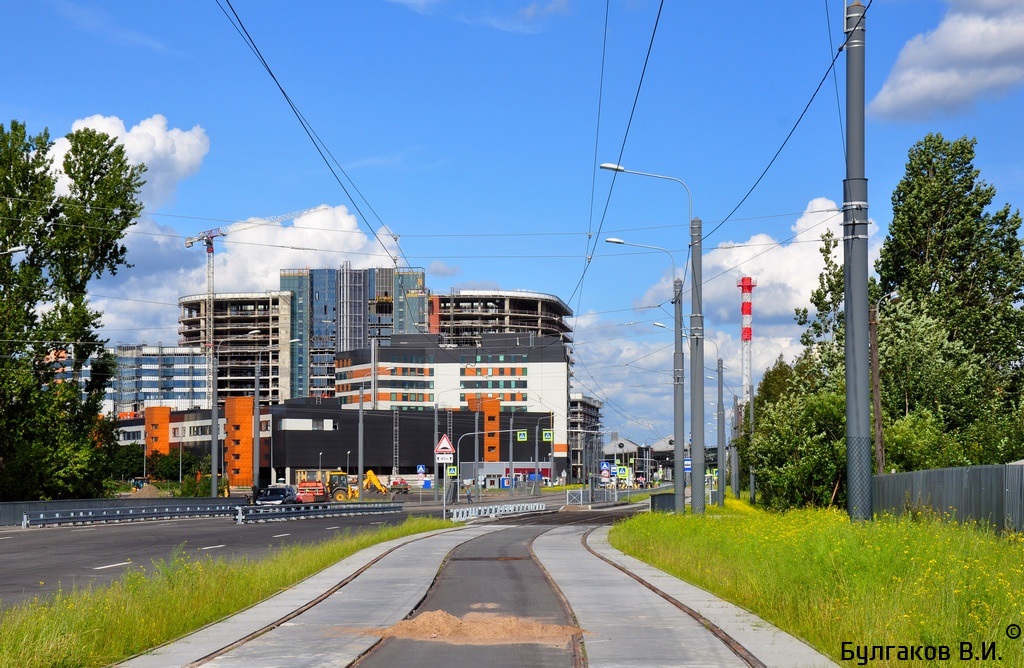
x,y
913,581
157,603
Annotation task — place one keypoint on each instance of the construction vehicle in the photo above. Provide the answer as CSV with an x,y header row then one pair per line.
x,y
340,486
370,480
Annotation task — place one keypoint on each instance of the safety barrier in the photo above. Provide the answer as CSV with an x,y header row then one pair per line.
x,y
466,513
242,514
307,510
99,515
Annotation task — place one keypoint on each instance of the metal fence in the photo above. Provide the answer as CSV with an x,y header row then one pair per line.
x,y
990,494
13,512
469,512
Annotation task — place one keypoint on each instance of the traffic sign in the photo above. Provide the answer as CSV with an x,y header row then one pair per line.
x,y
521,435
548,435
444,458
420,468
444,446
453,471
687,465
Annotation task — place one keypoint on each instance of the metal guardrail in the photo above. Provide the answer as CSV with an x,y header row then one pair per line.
x,y
93,515
242,514
459,514
306,510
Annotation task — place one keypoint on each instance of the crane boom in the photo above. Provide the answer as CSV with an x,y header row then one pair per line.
x,y
207,238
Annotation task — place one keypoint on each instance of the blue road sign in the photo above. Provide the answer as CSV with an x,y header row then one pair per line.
x,y
687,465
420,468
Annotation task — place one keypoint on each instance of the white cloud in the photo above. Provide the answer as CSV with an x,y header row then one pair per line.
x,y
977,51
140,303
442,269
170,154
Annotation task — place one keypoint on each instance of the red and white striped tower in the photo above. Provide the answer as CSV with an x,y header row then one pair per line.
x,y
746,286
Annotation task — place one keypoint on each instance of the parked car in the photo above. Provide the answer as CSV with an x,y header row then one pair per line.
x,y
276,496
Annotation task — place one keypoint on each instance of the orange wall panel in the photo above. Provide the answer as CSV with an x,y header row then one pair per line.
x,y
238,440
158,430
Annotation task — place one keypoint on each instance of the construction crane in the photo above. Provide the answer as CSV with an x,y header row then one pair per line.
x,y
207,238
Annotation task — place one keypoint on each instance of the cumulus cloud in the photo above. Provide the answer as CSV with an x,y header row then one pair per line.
x,y
442,269
977,51
170,154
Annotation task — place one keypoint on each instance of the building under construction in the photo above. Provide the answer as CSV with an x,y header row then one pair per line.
x,y
250,329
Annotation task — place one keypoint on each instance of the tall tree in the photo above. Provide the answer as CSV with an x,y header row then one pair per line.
x,y
53,441
945,251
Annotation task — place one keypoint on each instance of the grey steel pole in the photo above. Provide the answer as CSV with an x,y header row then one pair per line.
x,y
678,402
359,454
256,429
855,277
721,439
476,451
511,450
696,370
735,449
435,480
214,424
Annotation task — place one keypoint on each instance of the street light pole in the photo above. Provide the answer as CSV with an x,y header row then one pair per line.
x,y
696,350
678,402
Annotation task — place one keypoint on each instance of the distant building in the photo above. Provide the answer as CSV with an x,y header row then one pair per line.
x,y
334,310
462,317
238,353
584,433
502,374
171,376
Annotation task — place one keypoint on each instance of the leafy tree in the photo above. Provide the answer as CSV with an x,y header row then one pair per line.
x,y
54,443
823,337
965,265
799,451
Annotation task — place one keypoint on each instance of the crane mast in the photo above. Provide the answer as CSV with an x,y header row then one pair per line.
x,y
207,238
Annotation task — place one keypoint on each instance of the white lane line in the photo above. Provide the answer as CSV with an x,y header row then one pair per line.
x,y
100,568
329,528
211,547
5,537
281,535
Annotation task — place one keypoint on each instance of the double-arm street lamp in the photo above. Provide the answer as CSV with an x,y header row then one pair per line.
x,y
215,412
696,354
678,475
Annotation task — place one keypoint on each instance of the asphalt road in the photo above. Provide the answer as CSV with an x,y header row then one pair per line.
x,y
40,561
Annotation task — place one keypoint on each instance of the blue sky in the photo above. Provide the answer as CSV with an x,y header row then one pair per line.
x,y
473,130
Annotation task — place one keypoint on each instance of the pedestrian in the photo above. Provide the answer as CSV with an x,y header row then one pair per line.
x,y
469,493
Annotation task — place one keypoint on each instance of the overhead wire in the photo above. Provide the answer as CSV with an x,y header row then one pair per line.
x,y
318,144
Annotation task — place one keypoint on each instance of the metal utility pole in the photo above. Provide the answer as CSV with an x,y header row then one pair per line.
x,y
855,276
697,370
678,402
721,439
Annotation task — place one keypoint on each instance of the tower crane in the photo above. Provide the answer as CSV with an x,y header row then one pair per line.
x,y
207,238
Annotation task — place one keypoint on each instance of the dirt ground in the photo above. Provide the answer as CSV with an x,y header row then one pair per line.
x,y
477,628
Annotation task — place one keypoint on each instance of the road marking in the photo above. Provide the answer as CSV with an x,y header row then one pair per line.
x,y
281,535
211,547
329,528
123,563
5,537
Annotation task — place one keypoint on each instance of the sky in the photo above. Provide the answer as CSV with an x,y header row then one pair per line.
x,y
465,137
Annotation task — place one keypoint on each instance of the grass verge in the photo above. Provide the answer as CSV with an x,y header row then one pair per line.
x,y
154,604
909,581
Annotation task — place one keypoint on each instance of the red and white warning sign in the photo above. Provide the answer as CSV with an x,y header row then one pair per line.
x,y
444,446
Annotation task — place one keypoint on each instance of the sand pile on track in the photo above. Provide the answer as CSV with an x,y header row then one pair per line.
x,y
478,629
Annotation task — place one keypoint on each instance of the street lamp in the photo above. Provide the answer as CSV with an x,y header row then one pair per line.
x,y
320,467
348,453
696,344
876,380
215,413
14,249
678,475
